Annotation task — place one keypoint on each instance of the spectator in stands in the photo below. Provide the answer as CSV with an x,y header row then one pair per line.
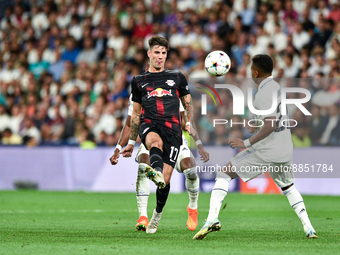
x,y
58,67
279,39
9,73
290,70
143,28
317,124
39,21
19,17
247,15
334,13
71,52
15,119
289,12
8,138
321,36
331,134
4,118
240,49
300,37
300,136
30,133
41,117
40,66
116,41
319,66
64,17
75,29
100,43
321,9
88,54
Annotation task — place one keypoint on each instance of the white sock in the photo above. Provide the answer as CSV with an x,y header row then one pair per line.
x,y
142,193
296,201
192,184
218,194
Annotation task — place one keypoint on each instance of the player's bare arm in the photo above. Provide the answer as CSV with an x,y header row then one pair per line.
x,y
268,127
135,123
187,104
203,153
123,139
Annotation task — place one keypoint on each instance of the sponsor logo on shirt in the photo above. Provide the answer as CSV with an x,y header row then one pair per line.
x,y
159,92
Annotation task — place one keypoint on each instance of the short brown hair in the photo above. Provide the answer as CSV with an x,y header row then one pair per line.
x,y
158,40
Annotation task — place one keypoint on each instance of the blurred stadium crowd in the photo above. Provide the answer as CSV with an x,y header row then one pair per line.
x,y
66,65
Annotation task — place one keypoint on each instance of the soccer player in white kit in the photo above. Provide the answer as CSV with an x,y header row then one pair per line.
x,y
271,147
185,164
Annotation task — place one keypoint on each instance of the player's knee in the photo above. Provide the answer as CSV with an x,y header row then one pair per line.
x,y
191,174
157,144
144,158
187,163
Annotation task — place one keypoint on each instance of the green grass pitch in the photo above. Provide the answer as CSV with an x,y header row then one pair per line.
x,y
36,222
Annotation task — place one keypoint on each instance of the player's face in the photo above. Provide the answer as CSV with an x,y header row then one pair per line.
x,y
157,56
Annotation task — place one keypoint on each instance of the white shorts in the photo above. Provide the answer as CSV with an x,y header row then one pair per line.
x,y
184,152
249,164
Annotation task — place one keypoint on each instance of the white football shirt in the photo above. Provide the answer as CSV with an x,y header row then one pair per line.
x,y
278,146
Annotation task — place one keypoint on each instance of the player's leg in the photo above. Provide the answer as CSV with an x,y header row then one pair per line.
x,y
218,194
296,201
162,194
187,166
154,144
161,197
171,148
232,170
285,180
142,188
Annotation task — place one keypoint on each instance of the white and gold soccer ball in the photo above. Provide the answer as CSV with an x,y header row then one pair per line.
x,y
217,63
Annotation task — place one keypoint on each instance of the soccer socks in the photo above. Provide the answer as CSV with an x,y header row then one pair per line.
x,y
156,160
296,201
162,196
142,192
192,184
218,194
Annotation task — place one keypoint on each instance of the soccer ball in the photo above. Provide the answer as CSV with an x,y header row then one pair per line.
x,y
217,63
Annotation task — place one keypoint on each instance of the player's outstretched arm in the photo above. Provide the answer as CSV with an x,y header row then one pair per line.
x,y
187,104
204,154
135,123
123,139
268,127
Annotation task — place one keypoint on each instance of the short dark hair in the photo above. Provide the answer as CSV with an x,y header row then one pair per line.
x,y
158,40
263,62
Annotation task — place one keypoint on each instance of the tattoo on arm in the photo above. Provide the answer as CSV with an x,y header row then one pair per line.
x,y
135,123
187,104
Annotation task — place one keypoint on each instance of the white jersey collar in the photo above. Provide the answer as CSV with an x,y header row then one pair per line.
x,y
265,81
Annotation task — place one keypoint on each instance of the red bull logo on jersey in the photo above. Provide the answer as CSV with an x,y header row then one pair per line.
x,y
159,92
